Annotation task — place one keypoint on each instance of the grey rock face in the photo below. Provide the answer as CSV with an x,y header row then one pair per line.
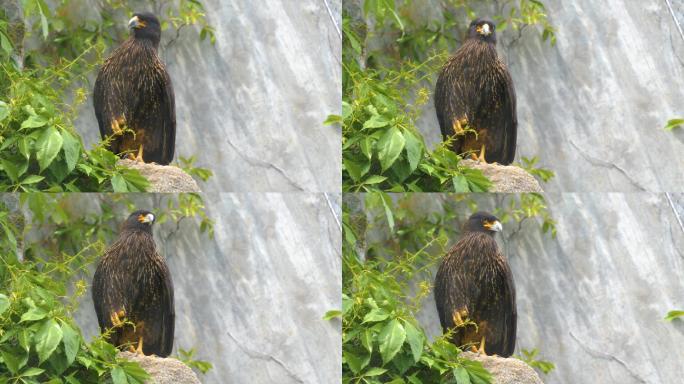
x,y
506,370
163,178
251,107
251,300
163,370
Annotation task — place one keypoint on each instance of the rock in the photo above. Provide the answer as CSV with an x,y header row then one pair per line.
x,y
163,370
506,370
506,178
164,178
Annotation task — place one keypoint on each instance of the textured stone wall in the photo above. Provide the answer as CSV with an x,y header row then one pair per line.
x,y
251,300
251,106
593,299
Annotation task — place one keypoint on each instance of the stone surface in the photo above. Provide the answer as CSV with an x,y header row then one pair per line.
x,y
251,300
251,107
593,107
163,178
163,370
592,300
506,370
506,178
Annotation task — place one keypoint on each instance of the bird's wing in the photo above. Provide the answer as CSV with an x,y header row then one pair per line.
x,y
168,313
169,120
499,313
158,309
508,119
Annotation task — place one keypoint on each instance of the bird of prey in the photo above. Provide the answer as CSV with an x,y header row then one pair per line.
x,y
475,98
133,96
132,291
474,290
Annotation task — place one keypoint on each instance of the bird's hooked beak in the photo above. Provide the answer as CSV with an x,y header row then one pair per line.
x,y
136,23
146,219
484,30
494,226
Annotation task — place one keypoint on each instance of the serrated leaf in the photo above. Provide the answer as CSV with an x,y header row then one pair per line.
x,y
390,146
34,121
391,339
33,371
375,371
48,338
461,375
71,341
376,121
119,183
4,303
375,315
119,376
375,179
332,314
32,179
33,314
4,108
414,150
415,340
72,150
14,357
48,146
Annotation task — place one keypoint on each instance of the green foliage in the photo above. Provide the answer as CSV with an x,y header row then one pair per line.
x,y
43,71
530,165
188,358
188,165
530,357
674,123
385,281
389,63
674,315
39,293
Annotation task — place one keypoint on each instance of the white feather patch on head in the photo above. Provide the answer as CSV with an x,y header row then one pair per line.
x,y
485,30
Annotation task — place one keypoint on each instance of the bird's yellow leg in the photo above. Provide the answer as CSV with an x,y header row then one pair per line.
x,y
116,318
139,350
481,350
457,319
139,158
481,158
117,126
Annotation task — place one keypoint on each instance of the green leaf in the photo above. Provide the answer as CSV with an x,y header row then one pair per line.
x,y
49,144
72,150
391,339
376,121
355,362
119,183
48,336
415,340
461,375
32,179
4,303
356,169
14,357
390,146
414,150
4,108
333,119
71,341
34,121
671,124
460,184
670,315
33,371
119,376
33,314
375,371
332,314
375,179
375,315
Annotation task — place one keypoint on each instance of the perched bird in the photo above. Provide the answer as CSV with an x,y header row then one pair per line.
x,y
474,290
133,96
475,98
132,284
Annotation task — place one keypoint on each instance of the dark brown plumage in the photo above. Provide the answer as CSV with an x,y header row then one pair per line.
x,y
134,91
475,90
475,283
133,282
